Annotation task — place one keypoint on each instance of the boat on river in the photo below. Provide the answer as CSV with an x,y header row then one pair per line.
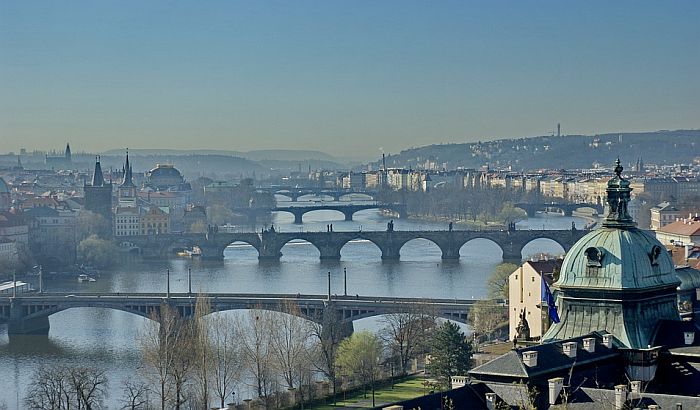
x,y
85,278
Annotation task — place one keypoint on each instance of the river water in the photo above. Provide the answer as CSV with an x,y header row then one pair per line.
x,y
106,339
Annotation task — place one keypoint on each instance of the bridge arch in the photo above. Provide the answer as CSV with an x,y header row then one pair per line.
x,y
285,194
478,242
360,242
350,194
530,250
295,240
241,243
433,251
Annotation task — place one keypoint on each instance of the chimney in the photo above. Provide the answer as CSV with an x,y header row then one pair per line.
x,y
689,337
635,389
620,396
530,358
607,340
570,349
589,344
491,401
555,386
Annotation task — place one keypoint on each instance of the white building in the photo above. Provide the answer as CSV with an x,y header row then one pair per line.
x,y
525,296
683,232
662,215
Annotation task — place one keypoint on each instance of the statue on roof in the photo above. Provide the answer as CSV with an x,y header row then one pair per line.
x,y
523,329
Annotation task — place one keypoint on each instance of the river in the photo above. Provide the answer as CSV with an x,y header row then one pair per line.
x,y
106,339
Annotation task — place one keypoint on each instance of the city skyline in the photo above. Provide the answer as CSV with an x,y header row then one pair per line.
x,y
346,81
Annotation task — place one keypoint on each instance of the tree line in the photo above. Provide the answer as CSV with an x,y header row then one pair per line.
x,y
194,363
476,205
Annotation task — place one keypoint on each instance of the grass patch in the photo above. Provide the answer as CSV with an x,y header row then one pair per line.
x,y
405,389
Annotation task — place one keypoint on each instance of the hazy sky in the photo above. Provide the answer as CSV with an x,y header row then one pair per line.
x,y
348,78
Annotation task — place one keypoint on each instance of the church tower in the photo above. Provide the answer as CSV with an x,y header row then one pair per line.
x,y
127,189
98,194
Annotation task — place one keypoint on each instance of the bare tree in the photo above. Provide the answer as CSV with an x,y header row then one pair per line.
x,y
255,345
134,395
89,386
159,343
486,317
225,355
407,332
56,388
328,331
185,355
202,350
290,342
49,390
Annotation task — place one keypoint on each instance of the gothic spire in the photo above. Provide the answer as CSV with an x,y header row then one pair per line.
x,y
128,173
97,177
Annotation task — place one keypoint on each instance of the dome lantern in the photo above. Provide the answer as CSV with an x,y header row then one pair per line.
x,y
618,192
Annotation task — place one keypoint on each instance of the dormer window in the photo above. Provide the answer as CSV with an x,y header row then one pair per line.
x,y
654,255
594,256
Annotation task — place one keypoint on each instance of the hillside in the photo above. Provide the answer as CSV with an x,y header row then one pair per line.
x,y
570,151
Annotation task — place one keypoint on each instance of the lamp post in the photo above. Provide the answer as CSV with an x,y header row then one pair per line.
x,y
329,286
41,279
189,281
167,293
345,278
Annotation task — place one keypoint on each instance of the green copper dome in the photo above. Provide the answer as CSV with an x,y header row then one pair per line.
x,y
617,259
616,279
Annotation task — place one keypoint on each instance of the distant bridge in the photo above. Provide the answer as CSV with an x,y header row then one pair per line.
x,y
269,244
347,210
294,193
29,313
567,209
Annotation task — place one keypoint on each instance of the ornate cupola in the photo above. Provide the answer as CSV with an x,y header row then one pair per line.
x,y
618,199
618,279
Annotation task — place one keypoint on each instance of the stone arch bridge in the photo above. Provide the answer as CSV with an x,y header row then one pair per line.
x,y
269,244
299,210
29,313
294,193
567,209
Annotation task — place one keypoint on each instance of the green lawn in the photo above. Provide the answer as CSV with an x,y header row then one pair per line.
x,y
404,390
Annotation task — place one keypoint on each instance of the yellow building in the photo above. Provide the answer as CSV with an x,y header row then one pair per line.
x,y
155,220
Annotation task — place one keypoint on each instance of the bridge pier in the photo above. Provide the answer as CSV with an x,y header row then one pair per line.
x,y
212,252
512,252
329,253
19,324
390,254
298,218
348,215
32,326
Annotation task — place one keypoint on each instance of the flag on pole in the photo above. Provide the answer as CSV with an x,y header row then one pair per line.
x,y
548,298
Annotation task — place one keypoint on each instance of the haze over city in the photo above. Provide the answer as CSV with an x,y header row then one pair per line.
x,y
362,205
347,79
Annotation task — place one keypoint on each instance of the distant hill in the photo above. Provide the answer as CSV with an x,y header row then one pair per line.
x,y
570,151
256,155
192,165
